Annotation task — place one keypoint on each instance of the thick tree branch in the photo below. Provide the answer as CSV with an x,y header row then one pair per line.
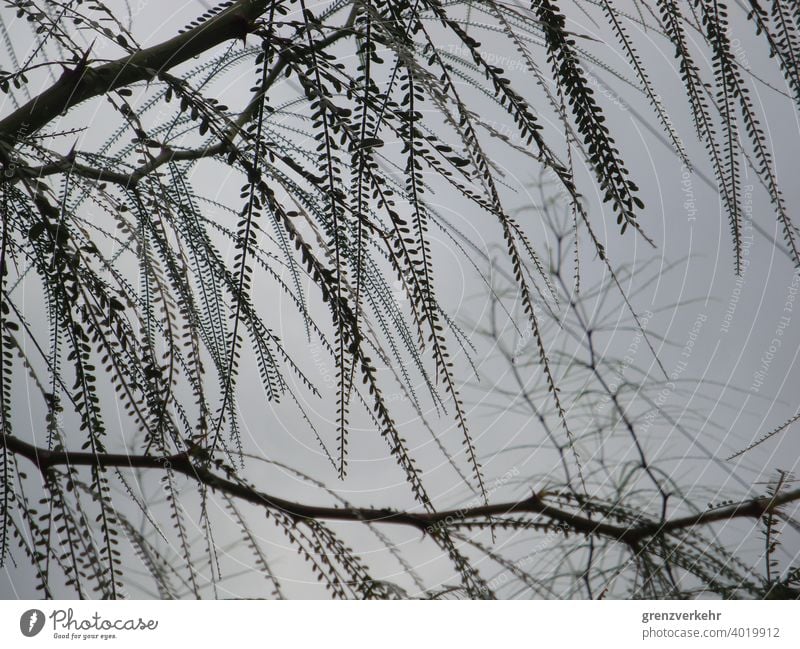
x,y
82,83
17,125
426,522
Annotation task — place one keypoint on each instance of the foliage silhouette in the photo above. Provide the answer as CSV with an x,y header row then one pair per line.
x,y
145,319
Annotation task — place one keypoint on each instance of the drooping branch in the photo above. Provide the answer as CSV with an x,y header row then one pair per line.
x,y
185,464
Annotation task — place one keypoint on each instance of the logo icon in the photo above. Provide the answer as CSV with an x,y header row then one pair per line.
x,y
31,622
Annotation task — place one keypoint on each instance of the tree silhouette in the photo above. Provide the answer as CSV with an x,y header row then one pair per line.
x,y
138,333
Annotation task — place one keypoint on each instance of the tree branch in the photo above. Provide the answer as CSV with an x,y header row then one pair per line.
x,y
17,125
426,522
82,83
